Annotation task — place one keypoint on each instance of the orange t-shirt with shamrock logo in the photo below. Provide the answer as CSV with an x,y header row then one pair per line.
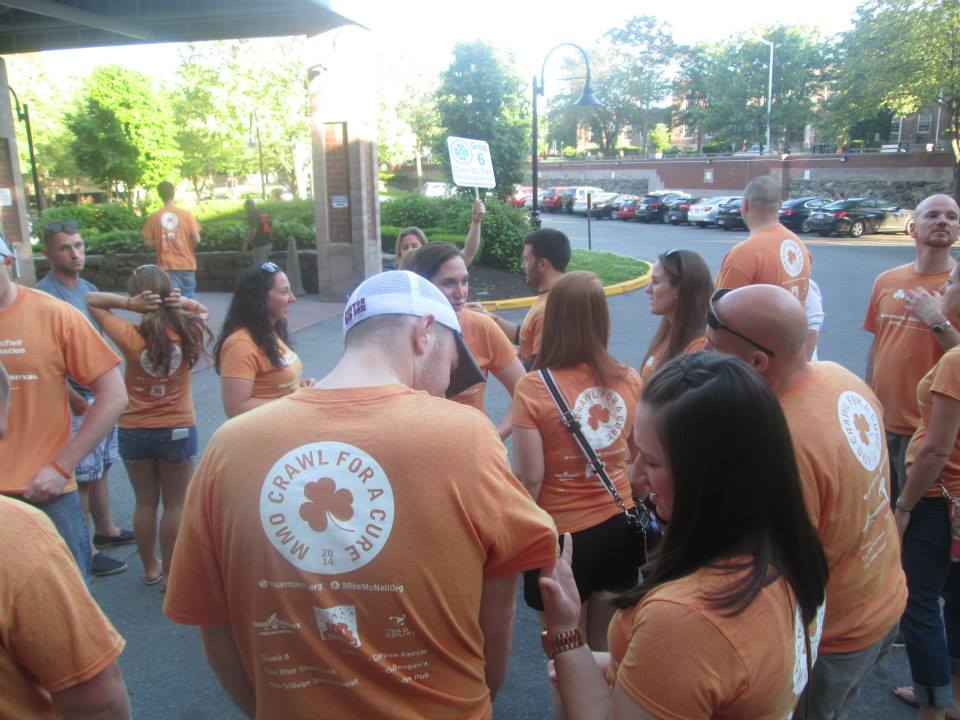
x,y
655,360
170,231
770,256
242,359
573,495
943,379
836,423
531,329
349,554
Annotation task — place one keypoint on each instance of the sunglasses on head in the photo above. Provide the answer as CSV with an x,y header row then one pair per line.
x,y
675,255
715,323
270,267
69,227
144,267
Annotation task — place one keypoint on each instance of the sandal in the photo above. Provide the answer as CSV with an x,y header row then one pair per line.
x,y
905,695
152,581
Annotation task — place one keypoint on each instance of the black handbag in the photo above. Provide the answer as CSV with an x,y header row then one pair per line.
x,y
642,523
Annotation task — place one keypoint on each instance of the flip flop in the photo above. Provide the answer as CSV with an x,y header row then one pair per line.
x,y
905,695
148,581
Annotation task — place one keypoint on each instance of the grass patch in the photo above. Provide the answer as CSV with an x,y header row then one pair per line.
x,y
609,267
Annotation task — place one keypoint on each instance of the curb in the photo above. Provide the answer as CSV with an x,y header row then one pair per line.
x,y
616,289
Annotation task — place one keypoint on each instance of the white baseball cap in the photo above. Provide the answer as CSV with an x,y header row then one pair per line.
x,y
399,292
5,250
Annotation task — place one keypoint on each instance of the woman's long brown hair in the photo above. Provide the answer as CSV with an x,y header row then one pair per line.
x,y
158,325
576,327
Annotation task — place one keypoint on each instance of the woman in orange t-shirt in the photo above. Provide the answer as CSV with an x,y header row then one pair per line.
x,y
679,290
603,394
254,355
443,265
720,626
923,516
158,431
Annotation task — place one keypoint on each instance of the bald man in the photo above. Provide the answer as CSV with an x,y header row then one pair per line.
x,y
835,424
910,331
772,255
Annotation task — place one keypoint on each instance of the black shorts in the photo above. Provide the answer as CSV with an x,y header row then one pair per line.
x,y
604,558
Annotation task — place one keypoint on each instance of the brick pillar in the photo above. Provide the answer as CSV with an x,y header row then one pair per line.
x,y
13,216
345,182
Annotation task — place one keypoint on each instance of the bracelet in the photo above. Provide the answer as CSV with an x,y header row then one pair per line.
x,y
900,506
59,468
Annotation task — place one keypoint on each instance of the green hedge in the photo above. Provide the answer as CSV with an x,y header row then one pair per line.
x,y
115,228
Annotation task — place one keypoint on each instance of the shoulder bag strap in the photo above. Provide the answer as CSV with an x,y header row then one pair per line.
x,y
573,425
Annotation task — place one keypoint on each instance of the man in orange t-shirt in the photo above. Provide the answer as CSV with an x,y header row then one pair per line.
x,y
335,558
910,330
175,234
772,255
43,341
836,425
546,254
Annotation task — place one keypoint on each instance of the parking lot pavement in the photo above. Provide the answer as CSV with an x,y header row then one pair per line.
x,y
164,667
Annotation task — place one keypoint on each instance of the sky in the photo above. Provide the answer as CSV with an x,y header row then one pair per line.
x,y
415,38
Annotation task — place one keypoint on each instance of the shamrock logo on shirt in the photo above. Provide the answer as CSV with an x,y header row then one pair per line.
x,y
861,424
791,257
323,500
598,414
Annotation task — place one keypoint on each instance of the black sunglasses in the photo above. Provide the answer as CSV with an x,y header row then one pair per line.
x,y
144,267
715,323
675,255
69,227
270,267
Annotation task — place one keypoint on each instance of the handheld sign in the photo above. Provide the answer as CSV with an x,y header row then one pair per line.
x,y
471,163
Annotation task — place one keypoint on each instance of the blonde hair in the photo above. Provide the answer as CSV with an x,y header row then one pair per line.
x,y
416,232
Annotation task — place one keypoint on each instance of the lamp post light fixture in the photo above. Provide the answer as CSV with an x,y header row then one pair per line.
x,y
23,115
586,98
255,123
769,90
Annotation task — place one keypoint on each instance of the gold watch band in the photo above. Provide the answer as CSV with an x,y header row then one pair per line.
x,y
560,642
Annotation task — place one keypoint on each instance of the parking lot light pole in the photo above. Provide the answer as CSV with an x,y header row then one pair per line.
x,y
769,90
23,115
586,98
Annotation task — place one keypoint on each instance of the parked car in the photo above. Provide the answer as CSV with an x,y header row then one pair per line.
x,y
602,205
437,189
520,195
730,215
795,212
578,192
857,216
677,209
528,203
553,199
628,209
651,207
619,202
705,212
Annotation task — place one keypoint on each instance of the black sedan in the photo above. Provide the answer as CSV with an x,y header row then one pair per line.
x,y
677,209
795,212
651,207
730,216
857,216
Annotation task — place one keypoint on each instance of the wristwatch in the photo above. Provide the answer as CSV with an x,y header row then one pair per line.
x,y
561,641
939,328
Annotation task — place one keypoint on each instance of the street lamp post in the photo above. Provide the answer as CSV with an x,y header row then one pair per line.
x,y
23,115
769,89
586,98
263,182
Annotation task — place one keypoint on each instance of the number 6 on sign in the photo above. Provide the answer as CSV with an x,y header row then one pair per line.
x,y
470,163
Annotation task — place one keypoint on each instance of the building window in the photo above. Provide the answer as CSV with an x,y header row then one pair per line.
x,y
895,126
689,131
924,123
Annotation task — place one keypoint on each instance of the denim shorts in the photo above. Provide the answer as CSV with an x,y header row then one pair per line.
x,y
186,280
172,445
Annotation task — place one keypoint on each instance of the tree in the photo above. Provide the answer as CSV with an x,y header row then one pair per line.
x,y
419,112
481,97
900,55
659,137
212,115
122,132
721,89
